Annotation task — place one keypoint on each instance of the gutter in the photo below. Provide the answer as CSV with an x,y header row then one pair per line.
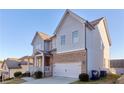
x,y
86,49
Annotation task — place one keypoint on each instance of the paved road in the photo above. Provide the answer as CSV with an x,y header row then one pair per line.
x,y
50,80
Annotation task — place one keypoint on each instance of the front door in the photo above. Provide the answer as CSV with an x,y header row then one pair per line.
x,y
47,68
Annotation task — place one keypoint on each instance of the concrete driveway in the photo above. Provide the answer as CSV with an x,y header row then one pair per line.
x,y
120,80
50,80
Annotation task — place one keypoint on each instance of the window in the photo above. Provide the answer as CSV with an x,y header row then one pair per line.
x,y
74,37
62,40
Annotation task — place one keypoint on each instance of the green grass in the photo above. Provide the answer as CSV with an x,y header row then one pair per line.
x,y
110,79
14,81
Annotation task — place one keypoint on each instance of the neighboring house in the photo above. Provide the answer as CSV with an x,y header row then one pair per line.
x,y
0,67
0,64
117,66
77,46
27,58
11,66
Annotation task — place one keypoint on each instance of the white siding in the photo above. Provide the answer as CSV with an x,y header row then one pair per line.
x,y
38,44
98,48
104,37
94,50
69,25
53,43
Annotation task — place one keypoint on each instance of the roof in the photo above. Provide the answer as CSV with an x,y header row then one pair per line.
x,y
91,25
95,22
12,64
12,58
25,57
117,63
41,35
25,63
80,19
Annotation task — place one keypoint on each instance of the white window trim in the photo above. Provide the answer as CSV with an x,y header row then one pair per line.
x,y
73,38
71,50
61,40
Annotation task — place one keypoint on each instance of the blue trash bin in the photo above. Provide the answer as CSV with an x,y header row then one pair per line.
x,y
103,73
95,75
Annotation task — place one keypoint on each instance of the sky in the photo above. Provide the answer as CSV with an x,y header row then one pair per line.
x,y
18,27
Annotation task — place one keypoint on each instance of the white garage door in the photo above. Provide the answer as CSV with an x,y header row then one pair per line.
x,y
67,69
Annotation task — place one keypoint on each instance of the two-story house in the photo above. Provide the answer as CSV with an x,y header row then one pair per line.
x,y
77,46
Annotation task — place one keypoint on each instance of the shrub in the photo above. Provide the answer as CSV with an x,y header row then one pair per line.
x,y
0,78
111,76
24,75
38,74
18,74
8,79
84,77
27,74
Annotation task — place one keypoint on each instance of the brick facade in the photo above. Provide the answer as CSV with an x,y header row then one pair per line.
x,y
69,57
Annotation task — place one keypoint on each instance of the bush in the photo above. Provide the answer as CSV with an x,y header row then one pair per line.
x,y
18,74
84,77
8,79
26,74
38,74
0,78
111,76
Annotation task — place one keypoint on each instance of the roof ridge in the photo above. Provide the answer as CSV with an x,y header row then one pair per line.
x,y
43,33
96,21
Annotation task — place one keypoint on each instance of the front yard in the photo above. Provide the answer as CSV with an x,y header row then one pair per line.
x,y
110,79
14,81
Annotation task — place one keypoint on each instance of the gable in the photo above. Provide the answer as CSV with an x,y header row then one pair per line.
x,y
102,26
70,23
69,13
40,36
37,39
4,66
67,27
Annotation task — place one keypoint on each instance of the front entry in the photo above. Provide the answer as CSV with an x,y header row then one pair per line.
x,y
47,66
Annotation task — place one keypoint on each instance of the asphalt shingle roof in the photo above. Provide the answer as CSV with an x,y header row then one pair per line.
x,y
12,64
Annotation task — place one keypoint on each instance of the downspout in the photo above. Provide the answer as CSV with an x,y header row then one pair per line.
x,y
86,50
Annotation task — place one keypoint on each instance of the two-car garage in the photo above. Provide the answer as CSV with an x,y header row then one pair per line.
x,y
67,69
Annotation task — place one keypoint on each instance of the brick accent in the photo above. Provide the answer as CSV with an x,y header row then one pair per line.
x,y
69,57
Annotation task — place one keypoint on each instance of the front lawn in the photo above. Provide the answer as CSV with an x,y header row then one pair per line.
x,y
14,81
110,79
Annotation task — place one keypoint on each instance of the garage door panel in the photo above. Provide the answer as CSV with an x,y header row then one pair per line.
x,y
67,70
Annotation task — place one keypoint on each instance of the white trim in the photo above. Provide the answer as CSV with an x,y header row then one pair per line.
x,y
71,50
80,19
39,55
42,64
